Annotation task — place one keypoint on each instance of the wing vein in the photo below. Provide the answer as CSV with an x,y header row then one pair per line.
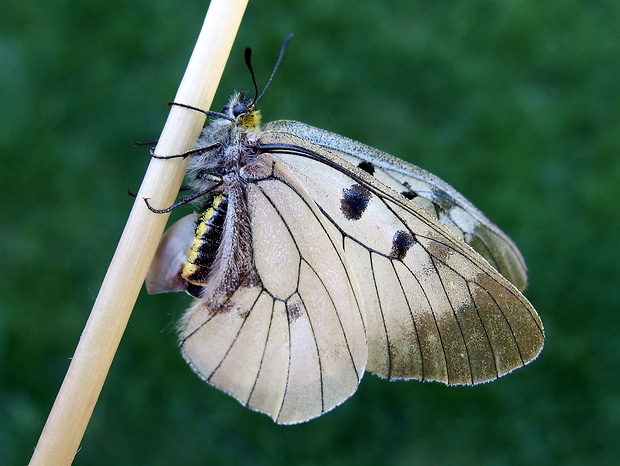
x,y
333,245
234,340
413,322
486,332
385,329
454,314
262,358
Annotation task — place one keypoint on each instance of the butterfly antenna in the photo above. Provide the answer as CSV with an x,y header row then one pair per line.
x,y
206,112
248,57
248,63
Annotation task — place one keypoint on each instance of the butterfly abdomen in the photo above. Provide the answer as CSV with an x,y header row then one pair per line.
x,y
207,238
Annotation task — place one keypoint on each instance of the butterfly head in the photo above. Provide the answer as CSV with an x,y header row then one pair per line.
x,y
243,111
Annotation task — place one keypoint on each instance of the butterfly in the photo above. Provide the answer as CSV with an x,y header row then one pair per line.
x,y
314,258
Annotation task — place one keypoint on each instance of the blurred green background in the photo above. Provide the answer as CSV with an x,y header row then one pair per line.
x,y
515,103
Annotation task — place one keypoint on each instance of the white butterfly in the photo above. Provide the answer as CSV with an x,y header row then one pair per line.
x,y
315,258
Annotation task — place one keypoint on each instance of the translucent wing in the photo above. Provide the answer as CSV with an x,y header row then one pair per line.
x,y
435,309
288,338
163,275
426,191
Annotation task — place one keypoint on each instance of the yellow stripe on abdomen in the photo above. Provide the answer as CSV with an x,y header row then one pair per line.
x,y
207,239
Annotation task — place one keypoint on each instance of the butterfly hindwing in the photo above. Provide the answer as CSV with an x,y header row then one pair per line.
x,y
163,275
435,309
290,340
427,191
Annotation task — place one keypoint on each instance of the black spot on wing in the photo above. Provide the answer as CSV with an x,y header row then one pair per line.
x,y
443,200
408,192
354,201
402,242
293,310
367,167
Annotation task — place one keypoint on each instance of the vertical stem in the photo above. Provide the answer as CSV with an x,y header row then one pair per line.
x,y
99,341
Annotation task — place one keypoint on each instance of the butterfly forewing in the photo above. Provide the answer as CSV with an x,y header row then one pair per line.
x,y
430,193
435,309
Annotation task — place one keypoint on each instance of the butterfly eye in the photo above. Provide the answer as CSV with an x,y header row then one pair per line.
x,y
239,109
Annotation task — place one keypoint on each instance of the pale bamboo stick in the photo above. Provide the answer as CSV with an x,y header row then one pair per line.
x,y
93,356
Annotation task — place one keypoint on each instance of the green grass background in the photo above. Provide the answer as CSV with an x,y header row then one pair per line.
x,y
515,103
